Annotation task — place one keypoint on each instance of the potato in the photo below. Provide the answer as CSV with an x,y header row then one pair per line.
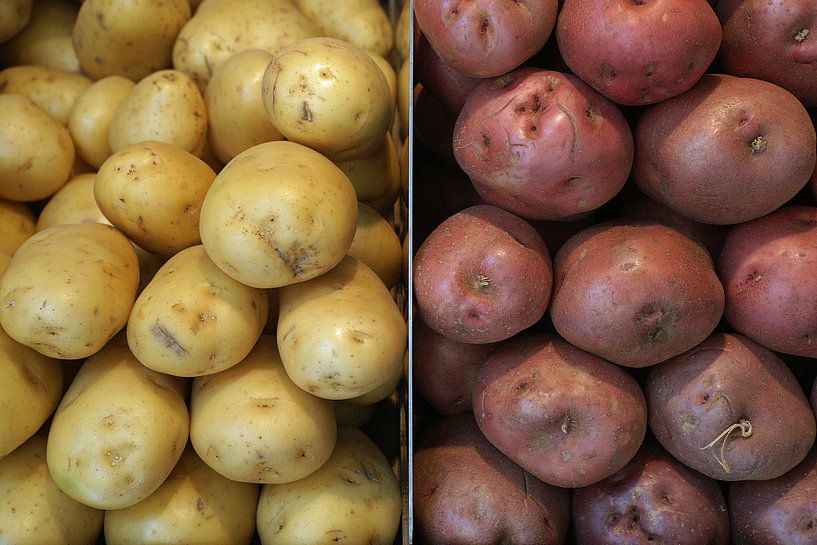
x,y
14,15
17,223
389,72
235,109
363,23
251,423
341,334
5,259
329,95
30,387
193,320
404,92
153,192
376,176
73,203
164,106
194,505
354,498
402,31
450,87
377,245
69,289
118,431
33,510
130,38
90,119
36,152
46,40
278,213
52,89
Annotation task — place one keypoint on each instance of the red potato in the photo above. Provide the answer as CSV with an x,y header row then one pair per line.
x,y
543,144
638,52
730,409
772,40
635,293
449,86
482,276
485,38
767,269
728,150
569,418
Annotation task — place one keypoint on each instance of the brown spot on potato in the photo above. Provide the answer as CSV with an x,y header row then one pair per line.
x,y
759,145
306,112
3,84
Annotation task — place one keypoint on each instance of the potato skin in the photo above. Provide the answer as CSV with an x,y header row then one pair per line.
x,y
73,203
46,39
363,23
376,244
52,89
17,223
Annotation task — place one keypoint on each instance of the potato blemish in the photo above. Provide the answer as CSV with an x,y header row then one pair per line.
x,y
167,339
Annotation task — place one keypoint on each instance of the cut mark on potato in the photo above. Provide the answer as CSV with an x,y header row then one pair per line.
x,y
167,339
575,127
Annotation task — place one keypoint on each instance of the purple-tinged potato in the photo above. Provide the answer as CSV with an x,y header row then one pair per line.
x,y
638,52
767,269
780,511
543,144
653,499
482,276
634,292
730,409
467,492
568,417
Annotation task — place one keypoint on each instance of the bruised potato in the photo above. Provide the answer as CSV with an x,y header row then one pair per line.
x,y
52,89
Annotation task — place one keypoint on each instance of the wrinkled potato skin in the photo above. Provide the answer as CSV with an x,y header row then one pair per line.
x,y
363,23
73,203
54,90
46,40
17,223
377,245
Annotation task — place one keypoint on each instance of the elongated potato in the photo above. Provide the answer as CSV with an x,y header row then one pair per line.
x,y
118,431
17,223
363,23
52,89
46,40
341,334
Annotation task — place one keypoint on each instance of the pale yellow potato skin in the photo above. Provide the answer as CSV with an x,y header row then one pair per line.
x,y
30,388
277,214
251,423
402,32
52,89
69,289
353,499
5,259
341,334
130,38
193,320
384,391
404,92
73,203
194,505
36,151
164,106
14,15
153,192
33,510
235,108
363,23
46,40
118,431
90,119
377,245
17,223
376,176
329,95
389,72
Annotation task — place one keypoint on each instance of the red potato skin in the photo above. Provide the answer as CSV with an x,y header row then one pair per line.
x,y
482,276
780,511
569,418
728,150
772,40
695,397
486,38
467,492
543,145
449,86
653,499
767,269
634,292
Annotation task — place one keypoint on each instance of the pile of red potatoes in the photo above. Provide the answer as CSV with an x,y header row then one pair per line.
x,y
615,272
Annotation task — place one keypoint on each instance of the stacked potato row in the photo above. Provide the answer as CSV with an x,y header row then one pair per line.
x,y
201,270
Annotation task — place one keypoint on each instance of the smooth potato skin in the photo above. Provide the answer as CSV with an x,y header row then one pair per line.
x,y
46,39
17,223
376,244
52,89
363,23
14,16
73,203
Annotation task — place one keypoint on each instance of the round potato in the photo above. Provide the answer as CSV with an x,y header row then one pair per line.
x,y
389,72
376,176
46,40
377,245
73,203
52,89
363,23
279,213
33,510
193,320
164,106
69,289
251,423
130,38
14,15
118,431
36,151
91,116
153,192
354,497
329,95
17,223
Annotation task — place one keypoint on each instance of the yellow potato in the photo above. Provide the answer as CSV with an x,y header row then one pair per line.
x,y
376,176
402,32
404,91
165,106
389,72
341,334
17,223
30,388
5,259
153,193
14,15
194,505
69,289
73,203
52,89
118,431
238,120
36,152
193,320
33,510
384,391
329,95
354,498
252,424
278,213
91,116
130,38
377,245
363,23
404,171
46,40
